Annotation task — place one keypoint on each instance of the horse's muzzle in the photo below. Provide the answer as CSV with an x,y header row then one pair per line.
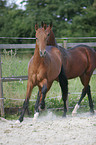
x,y
43,54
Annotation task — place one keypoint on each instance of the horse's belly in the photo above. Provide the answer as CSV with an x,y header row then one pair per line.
x,y
76,69
72,75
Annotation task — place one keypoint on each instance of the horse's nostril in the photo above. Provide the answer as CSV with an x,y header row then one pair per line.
x,y
41,53
44,52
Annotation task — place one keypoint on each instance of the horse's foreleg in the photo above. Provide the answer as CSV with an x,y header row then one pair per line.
x,y
37,102
26,102
90,99
43,93
25,107
40,99
36,114
43,87
64,87
40,103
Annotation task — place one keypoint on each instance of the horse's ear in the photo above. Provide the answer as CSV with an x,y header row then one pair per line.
x,y
42,24
51,25
45,26
36,26
48,30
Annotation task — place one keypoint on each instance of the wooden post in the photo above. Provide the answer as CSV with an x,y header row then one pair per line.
x,y
1,90
65,44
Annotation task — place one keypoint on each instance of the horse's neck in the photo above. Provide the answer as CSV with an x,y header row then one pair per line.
x,y
36,58
51,40
63,51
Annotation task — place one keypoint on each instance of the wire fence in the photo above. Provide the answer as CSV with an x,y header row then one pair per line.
x,y
14,60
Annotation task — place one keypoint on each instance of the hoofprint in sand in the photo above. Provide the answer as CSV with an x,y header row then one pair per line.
x,y
50,130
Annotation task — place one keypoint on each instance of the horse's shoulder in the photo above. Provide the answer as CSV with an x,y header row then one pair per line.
x,y
48,48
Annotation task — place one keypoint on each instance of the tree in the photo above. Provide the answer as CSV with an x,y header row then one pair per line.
x,y
84,24
69,17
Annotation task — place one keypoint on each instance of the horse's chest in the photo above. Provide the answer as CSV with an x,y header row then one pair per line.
x,y
37,76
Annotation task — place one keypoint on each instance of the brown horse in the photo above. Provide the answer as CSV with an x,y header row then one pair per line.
x,y
44,67
79,61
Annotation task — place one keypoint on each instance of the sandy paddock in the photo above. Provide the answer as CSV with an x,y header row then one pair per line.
x,y
50,130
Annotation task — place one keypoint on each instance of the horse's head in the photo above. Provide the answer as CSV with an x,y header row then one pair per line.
x,y
41,38
51,39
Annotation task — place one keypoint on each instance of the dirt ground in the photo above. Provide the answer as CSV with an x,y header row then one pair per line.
x,y
50,130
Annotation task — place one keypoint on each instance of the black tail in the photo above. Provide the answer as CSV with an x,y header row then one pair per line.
x,y
64,87
63,83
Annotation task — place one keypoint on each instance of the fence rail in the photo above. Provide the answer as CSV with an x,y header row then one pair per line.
x,y
65,44
16,46
30,46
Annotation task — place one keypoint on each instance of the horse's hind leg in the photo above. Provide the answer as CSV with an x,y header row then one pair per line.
x,y
90,99
74,112
85,81
64,88
26,102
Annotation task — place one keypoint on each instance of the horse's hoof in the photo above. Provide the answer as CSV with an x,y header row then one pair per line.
x,y
42,106
74,114
36,116
41,109
17,122
92,111
64,115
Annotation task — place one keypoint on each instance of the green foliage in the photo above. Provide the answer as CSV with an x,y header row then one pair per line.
x,y
70,18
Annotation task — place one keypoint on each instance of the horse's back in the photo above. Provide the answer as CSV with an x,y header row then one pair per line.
x,y
78,60
84,50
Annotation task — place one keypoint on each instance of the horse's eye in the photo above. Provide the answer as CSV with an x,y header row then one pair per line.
x,y
36,38
48,34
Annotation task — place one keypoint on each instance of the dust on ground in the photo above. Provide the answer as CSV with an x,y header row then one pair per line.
x,y
50,130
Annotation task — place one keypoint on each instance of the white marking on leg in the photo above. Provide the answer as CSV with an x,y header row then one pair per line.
x,y
74,112
36,115
17,122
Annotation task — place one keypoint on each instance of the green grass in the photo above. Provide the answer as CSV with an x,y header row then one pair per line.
x,y
16,66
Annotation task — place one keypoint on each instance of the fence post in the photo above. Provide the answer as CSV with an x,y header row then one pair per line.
x,y
65,44
1,90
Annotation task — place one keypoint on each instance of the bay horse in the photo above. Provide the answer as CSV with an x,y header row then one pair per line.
x,y
44,67
79,61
